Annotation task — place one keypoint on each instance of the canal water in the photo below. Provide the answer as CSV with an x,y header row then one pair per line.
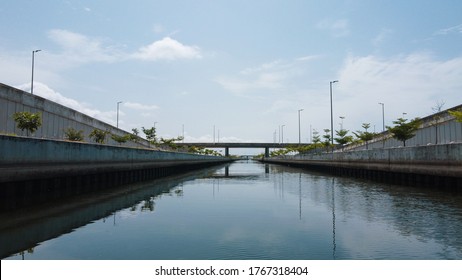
x,y
245,210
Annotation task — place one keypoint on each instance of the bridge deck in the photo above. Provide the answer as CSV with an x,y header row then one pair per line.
x,y
241,145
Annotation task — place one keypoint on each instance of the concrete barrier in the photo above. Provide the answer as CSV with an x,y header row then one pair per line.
x,y
435,165
56,118
35,170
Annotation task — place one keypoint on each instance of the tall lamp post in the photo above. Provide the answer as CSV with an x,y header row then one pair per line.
x,y
332,116
282,133
341,123
299,133
118,113
383,115
32,81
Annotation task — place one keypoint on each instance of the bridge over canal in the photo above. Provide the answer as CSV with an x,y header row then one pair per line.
x,y
228,145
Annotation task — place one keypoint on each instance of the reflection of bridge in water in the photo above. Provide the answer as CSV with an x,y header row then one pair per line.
x,y
238,175
228,145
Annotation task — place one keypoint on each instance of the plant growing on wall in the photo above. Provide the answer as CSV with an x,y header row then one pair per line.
x,y
404,130
343,137
326,137
365,136
456,114
98,135
28,121
150,134
171,142
316,138
72,134
121,139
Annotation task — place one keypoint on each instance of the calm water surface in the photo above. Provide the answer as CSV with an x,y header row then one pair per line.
x,y
246,210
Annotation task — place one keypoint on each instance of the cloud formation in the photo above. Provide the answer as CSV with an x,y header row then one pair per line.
x,y
269,77
44,91
450,30
140,107
167,49
78,48
81,48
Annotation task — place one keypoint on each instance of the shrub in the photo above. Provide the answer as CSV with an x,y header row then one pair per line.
x,y
28,121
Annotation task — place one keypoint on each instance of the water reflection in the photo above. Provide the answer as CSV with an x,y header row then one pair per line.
x,y
245,210
22,230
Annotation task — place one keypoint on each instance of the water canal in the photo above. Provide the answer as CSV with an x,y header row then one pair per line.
x,y
245,210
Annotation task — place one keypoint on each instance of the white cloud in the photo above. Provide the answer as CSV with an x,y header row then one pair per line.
x,y
268,78
381,37
48,93
167,49
450,30
157,28
80,48
338,28
141,107
409,83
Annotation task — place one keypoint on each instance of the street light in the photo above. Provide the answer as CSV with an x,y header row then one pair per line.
x,y
341,124
332,115
32,81
282,133
383,115
299,133
118,113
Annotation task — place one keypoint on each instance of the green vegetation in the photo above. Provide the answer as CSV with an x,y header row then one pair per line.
x,y
456,114
28,121
404,130
150,135
121,139
171,142
327,138
343,137
365,136
98,135
72,134
202,151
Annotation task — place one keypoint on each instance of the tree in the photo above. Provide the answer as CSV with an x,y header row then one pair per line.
x,y
99,135
150,134
404,130
343,138
171,142
456,114
327,138
365,135
316,138
121,139
28,121
72,134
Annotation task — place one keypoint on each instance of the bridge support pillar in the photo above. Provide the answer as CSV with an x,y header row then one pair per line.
x,y
266,152
226,151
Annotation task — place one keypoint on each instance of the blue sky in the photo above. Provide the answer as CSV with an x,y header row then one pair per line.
x,y
243,67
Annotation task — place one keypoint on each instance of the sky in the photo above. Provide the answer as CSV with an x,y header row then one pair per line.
x,y
240,70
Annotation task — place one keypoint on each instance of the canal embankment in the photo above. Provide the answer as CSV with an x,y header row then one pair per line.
x,y
35,170
436,166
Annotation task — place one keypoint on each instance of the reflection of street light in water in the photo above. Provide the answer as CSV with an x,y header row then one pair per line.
x,y
333,219
300,194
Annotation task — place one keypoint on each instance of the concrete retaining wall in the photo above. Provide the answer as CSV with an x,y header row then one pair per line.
x,y
439,128
23,150
434,154
437,166
37,170
56,118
